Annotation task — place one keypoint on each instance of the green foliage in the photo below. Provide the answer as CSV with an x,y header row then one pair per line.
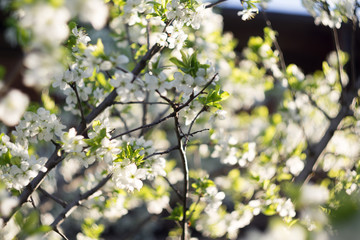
x,y
99,51
176,214
344,208
130,153
189,64
30,225
2,72
214,97
95,142
91,229
49,103
200,185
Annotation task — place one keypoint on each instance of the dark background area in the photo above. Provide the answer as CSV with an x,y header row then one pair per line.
x,y
301,41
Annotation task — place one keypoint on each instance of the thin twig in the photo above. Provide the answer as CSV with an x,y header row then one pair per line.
x,y
173,188
197,203
144,113
338,50
148,35
353,50
140,102
314,151
124,122
122,69
195,132
276,43
55,159
60,233
163,152
77,202
32,202
186,174
74,87
129,41
192,124
177,109
56,199
145,126
312,101
214,4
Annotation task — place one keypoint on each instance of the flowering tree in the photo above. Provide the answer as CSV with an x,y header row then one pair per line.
x,y
154,118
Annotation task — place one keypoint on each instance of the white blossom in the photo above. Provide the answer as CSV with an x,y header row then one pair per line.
x,y
285,208
13,106
295,164
213,199
156,206
127,176
314,194
247,14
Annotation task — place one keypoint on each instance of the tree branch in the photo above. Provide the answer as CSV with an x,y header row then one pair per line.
x,y
192,124
186,174
214,3
56,199
74,87
314,151
77,202
175,190
176,109
55,159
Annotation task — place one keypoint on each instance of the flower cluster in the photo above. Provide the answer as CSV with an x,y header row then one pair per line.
x,y
17,167
39,126
74,145
331,13
11,113
127,175
7,202
213,199
173,37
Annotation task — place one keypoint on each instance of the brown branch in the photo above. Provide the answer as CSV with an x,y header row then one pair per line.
x,y
186,174
35,183
276,43
353,50
144,113
195,132
55,159
176,110
314,151
56,199
192,124
339,64
60,233
140,102
163,152
214,3
74,87
77,202
174,189
314,104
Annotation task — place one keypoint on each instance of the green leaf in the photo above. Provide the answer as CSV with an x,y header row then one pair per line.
x,y
5,158
49,103
99,51
177,62
19,219
31,223
176,214
91,229
214,97
269,210
2,72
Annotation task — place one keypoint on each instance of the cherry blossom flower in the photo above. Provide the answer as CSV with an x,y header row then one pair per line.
x,y
13,106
